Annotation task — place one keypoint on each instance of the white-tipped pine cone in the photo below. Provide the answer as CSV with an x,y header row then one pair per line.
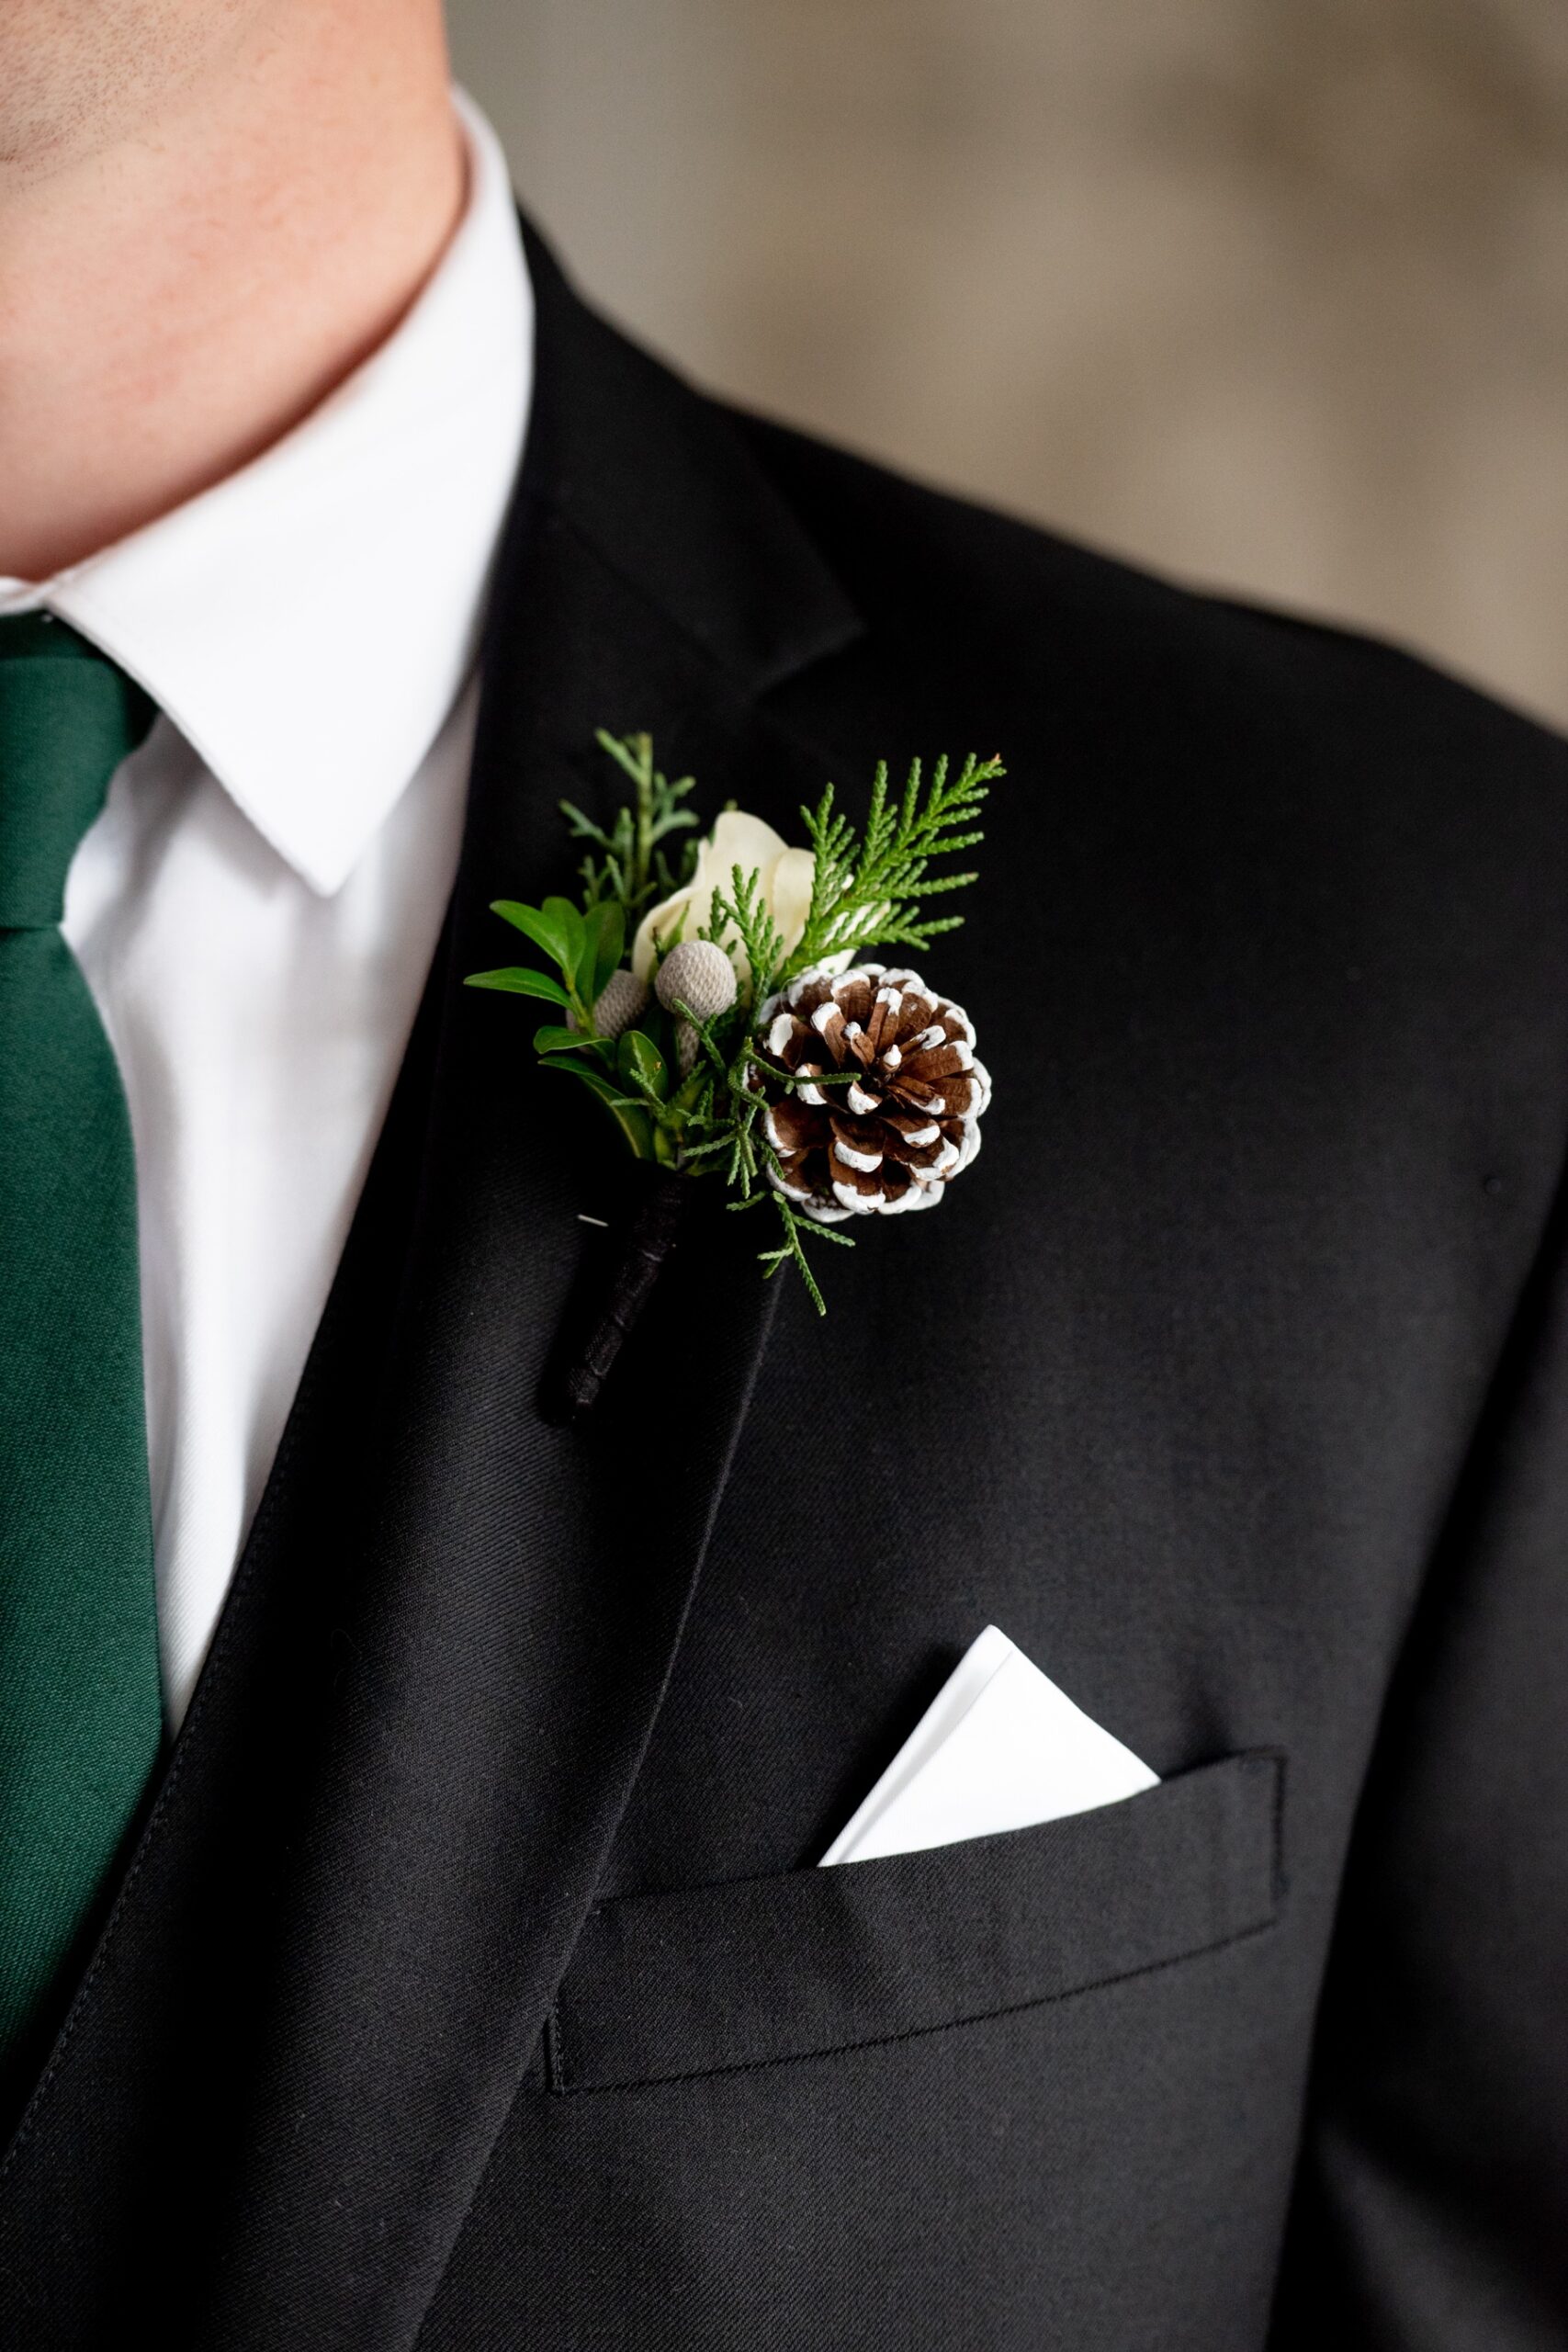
x,y
909,1119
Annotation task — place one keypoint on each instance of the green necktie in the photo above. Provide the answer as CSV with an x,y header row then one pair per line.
x,y
80,1708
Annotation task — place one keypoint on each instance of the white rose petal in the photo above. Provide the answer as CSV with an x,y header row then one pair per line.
x,y
790,894
783,875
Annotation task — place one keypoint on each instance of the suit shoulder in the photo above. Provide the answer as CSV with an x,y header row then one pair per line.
x,y
937,572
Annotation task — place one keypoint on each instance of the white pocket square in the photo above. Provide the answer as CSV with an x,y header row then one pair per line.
x,y
999,1747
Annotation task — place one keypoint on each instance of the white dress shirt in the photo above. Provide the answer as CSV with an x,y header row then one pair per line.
x,y
256,909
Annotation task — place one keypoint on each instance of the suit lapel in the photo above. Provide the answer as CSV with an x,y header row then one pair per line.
x,y
444,1656
525,1585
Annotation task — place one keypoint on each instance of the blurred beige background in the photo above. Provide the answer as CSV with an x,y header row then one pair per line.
x,y
1270,293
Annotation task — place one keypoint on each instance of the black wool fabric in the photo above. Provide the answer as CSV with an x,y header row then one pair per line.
x,y
471,1985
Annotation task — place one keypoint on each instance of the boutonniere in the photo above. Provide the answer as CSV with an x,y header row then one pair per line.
x,y
718,1000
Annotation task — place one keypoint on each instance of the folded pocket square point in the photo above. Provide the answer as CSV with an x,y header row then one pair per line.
x,y
1000,1747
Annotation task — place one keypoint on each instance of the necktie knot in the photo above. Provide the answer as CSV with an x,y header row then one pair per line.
x,y
68,716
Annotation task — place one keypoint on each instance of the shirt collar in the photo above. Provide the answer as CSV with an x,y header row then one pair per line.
x,y
308,623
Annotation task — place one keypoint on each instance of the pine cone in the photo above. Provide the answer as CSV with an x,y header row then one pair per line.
x,y
910,1121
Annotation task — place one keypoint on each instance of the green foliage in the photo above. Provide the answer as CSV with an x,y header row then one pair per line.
x,y
553,1040
520,979
743,916
585,948
569,929
632,868
867,892
632,1120
605,925
534,924
643,1067
797,1231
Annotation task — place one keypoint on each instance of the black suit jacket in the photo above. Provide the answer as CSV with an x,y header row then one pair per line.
x,y
470,1986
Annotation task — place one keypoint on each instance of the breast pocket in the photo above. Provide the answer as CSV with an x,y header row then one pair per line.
x,y
756,1971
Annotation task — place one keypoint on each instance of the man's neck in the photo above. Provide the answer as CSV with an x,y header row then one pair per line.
x,y
174,300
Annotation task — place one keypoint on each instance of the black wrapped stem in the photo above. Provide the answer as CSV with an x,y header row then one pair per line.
x,y
614,1287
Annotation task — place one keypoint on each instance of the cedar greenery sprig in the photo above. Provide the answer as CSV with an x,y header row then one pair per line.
x,y
866,893
632,868
745,916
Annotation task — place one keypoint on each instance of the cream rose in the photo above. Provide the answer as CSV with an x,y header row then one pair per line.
x,y
784,878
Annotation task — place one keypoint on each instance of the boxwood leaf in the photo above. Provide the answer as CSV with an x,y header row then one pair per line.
x,y
553,1040
569,926
606,928
635,1124
520,979
638,1059
537,924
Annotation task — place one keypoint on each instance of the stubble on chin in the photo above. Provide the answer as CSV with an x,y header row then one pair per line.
x,y
77,76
